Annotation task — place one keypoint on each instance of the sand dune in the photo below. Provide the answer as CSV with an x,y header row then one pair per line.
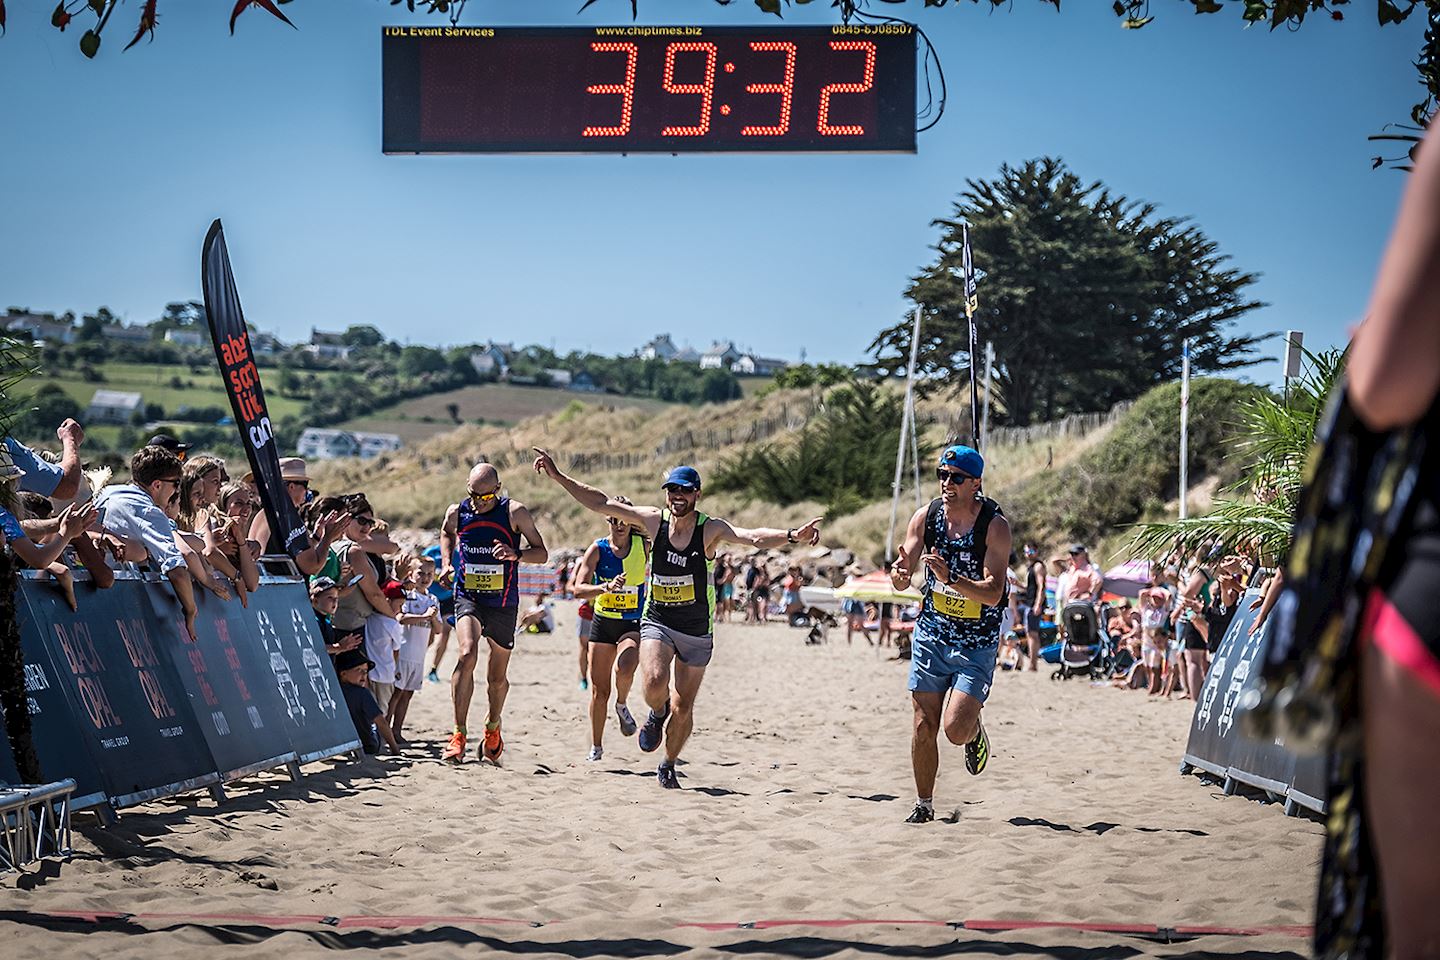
x,y
796,784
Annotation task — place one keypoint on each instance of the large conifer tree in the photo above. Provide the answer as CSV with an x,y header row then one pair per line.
x,y
1086,294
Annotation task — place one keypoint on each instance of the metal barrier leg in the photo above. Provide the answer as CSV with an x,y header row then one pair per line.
x,y
1229,788
293,768
217,792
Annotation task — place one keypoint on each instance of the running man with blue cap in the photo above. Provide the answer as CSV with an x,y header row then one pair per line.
x,y
966,550
678,623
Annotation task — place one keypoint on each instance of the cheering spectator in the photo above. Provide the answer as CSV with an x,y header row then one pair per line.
x,y
324,597
42,556
134,512
166,442
60,481
229,519
327,529
540,618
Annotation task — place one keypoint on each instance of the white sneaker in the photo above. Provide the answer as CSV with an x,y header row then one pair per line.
x,y
596,753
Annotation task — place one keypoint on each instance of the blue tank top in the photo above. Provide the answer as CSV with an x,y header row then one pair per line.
x,y
479,577
947,617
628,604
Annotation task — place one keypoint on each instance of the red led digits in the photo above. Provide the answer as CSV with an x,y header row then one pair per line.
x,y
626,90
854,129
706,90
786,89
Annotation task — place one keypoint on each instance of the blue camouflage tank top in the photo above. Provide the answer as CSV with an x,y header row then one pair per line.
x,y
946,616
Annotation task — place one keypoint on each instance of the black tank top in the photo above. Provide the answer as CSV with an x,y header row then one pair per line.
x,y
682,592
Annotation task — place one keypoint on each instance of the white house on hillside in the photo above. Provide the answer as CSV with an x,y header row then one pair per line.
x,y
661,348
185,338
113,406
125,334
720,356
36,328
328,346
750,365
318,443
492,360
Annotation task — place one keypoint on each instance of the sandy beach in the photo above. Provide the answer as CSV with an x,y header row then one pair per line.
x,y
795,785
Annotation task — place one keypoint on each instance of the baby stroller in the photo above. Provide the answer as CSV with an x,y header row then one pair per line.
x,y
1086,650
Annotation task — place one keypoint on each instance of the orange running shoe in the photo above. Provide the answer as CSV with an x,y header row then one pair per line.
x,y
455,752
493,746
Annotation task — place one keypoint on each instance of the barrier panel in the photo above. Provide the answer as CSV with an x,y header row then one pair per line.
x,y
286,647
126,708
126,704
1218,746
240,713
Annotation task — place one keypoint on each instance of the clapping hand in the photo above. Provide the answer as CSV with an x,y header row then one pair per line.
x,y
75,519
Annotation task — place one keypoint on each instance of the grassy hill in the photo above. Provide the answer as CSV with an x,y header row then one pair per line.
x,y
498,404
1083,478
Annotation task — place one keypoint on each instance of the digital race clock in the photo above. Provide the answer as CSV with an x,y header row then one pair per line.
x,y
648,89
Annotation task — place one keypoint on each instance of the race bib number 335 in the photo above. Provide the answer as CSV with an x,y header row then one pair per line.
x,y
673,589
484,577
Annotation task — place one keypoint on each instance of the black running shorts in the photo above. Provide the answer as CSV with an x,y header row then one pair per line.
x,y
496,623
610,630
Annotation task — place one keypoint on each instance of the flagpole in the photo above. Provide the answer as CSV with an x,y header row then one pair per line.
x,y
904,425
915,450
969,268
1184,427
985,416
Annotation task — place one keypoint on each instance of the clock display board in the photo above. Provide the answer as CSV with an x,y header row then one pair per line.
x,y
644,89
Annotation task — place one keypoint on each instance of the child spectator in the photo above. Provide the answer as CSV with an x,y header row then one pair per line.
x,y
73,521
365,713
419,622
383,641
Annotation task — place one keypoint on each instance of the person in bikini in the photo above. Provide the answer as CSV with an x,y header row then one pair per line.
x,y
678,621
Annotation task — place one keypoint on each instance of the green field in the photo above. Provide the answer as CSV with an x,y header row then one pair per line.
x,y
495,403
154,383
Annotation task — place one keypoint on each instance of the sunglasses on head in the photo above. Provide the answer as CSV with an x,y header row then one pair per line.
x,y
952,476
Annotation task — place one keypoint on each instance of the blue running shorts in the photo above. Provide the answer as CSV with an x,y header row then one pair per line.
x,y
938,667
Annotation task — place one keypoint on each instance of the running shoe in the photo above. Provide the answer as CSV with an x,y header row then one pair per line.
x,y
923,813
596,753
977,751
455,751
433,677
665,773
493,746
627,721
653,731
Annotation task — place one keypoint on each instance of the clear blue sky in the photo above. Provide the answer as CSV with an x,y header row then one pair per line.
x,y
112,170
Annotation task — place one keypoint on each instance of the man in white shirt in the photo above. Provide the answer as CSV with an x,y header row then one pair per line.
x,y
135,512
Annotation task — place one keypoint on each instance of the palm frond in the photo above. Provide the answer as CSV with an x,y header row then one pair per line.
x,y
1259,530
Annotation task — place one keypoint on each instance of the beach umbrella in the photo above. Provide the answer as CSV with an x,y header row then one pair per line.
x,y
875,588
1128,579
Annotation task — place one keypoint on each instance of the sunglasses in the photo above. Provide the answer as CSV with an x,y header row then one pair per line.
x,y
299,483
953,476
676,488
364,521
